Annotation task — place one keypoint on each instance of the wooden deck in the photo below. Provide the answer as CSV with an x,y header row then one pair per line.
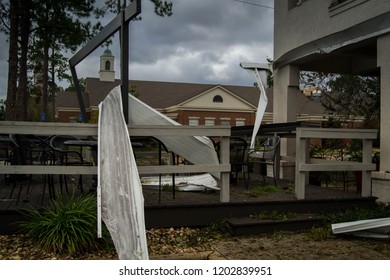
x,y
187,208
194,208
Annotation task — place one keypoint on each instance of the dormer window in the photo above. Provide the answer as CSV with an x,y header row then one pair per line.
x,y
217,99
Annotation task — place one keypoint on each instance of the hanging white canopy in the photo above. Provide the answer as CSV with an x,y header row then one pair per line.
x,y
119,186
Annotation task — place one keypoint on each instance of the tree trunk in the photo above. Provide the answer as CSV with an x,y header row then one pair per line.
x,y
45,79
53,87
22,92
12,61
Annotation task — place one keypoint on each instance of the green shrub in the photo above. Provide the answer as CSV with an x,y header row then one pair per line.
x,y
324,232
380,210
218,230
321,233
67,225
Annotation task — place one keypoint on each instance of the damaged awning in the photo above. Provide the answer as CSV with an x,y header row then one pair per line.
x,y
195,149
373,228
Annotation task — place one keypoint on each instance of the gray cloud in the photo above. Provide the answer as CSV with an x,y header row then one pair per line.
x,y
202,42
206,39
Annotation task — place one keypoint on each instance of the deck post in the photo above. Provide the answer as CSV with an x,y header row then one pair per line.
x,y
224,195
300,176
366,174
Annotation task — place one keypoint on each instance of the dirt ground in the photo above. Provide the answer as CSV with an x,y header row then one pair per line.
x,y
300,246
181,244
289,246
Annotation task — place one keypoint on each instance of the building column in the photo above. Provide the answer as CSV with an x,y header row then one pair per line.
x,y
384,64
286,89
381,179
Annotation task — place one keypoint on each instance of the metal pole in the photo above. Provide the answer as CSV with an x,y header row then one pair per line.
x,y
79,95
120,22
124,34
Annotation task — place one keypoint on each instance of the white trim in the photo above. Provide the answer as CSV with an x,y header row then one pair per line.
x,y
222,120
193,119
208,109
210,90
242,120
209,119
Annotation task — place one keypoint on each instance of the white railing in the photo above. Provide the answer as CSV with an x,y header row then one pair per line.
x,y
75,129
305,164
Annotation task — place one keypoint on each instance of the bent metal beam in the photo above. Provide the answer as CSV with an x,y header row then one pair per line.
x,y
120,22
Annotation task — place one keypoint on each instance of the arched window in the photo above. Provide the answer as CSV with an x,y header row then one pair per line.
x,y
107,65
218,99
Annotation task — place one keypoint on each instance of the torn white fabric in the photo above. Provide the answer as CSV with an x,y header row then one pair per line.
x,y
122,202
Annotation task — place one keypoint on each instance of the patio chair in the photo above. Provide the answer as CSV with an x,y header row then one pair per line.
x,y
31,150
5,149
238,150
266,155
6,153
67,157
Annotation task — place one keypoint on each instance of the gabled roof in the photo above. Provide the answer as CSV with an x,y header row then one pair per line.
x,y
68,99
162,95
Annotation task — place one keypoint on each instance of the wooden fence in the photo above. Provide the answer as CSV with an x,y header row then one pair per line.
x,y
76,129
304,164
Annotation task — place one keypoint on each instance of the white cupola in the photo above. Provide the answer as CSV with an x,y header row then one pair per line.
x,y
107,73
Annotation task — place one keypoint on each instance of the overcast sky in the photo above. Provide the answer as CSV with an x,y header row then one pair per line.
x,y
202,42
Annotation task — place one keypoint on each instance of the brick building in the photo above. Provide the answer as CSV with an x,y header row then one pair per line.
x,y
186,103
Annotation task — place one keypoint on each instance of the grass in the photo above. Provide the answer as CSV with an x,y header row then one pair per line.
x,y
274,216
263,190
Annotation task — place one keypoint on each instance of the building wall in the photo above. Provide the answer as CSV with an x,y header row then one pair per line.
x,y
300,22
184,117
381,186
69,116
313,19
66,116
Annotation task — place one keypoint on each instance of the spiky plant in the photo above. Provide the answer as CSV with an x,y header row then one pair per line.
x,y
67,225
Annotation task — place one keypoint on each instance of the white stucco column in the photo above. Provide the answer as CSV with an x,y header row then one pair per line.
x,y
383,59
381,179
286,89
